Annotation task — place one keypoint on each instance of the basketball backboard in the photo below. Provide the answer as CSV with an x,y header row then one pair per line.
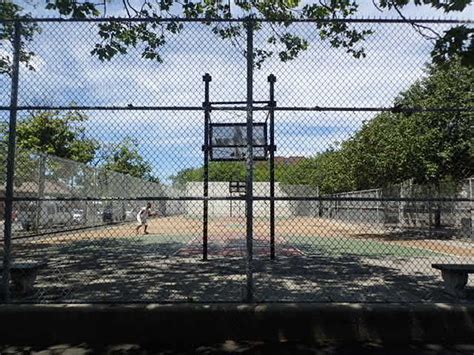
x,y
237,187
228,141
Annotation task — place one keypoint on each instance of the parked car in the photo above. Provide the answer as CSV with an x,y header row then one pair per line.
x,y
113,213
107,214
78,216
46,214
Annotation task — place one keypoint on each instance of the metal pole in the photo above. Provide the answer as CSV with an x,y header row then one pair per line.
x,y
471,196
249,172
205,214
272,80
41,187
11,163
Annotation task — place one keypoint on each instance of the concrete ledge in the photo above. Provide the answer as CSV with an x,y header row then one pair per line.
x,y
194,324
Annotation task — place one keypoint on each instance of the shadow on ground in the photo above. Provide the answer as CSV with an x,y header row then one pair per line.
x,y
418,233
131,270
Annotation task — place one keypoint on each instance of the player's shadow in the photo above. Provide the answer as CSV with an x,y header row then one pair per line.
x,y
117,270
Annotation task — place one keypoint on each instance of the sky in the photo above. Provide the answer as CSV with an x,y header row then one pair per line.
x,y
65,73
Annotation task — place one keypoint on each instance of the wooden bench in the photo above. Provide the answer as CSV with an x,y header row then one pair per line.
x,y
23,275
455,277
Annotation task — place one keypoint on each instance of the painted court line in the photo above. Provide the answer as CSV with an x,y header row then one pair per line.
x,y
234,245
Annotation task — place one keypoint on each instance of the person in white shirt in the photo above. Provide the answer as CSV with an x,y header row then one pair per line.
x,y
142,217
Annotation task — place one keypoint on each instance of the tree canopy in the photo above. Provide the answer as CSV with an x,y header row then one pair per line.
x,y
125,158
425,146
62,134
59,133
118,37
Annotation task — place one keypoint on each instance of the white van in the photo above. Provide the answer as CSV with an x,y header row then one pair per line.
x,y
44,214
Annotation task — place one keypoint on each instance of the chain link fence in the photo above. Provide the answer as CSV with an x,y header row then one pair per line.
x,y
338,208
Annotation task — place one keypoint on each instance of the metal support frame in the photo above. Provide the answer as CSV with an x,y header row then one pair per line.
x,y
11,164
272,104
249,198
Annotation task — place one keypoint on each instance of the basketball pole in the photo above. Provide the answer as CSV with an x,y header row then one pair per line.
x,y
272,104
205,212
10,176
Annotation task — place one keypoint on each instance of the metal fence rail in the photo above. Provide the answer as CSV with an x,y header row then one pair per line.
x,y
310,221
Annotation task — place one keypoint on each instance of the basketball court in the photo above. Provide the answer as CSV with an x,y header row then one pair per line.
x,y
228,242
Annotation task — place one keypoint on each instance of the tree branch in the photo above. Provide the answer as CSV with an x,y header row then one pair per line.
x,y
418,27
124,2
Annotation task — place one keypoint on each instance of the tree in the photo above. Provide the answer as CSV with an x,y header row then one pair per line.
x,y
126,159
226,171
62,134
326,171
59,133
431,148
119,37
376,155
218,171
445,137
9,10
428,147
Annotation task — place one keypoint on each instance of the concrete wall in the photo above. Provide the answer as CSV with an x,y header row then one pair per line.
x,y
226,208
173,208
378,324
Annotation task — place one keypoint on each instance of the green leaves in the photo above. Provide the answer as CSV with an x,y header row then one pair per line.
x,y
62,134
446,5
10,11
125,158
58,133
293,44
225,171
457,41
73,8
428,147
118,37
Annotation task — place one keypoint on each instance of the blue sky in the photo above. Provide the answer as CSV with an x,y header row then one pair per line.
x,y
170,141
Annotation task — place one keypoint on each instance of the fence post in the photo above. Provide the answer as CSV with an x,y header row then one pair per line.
x,y
205,214
41,188
471,210
11,163
272,80
249,181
